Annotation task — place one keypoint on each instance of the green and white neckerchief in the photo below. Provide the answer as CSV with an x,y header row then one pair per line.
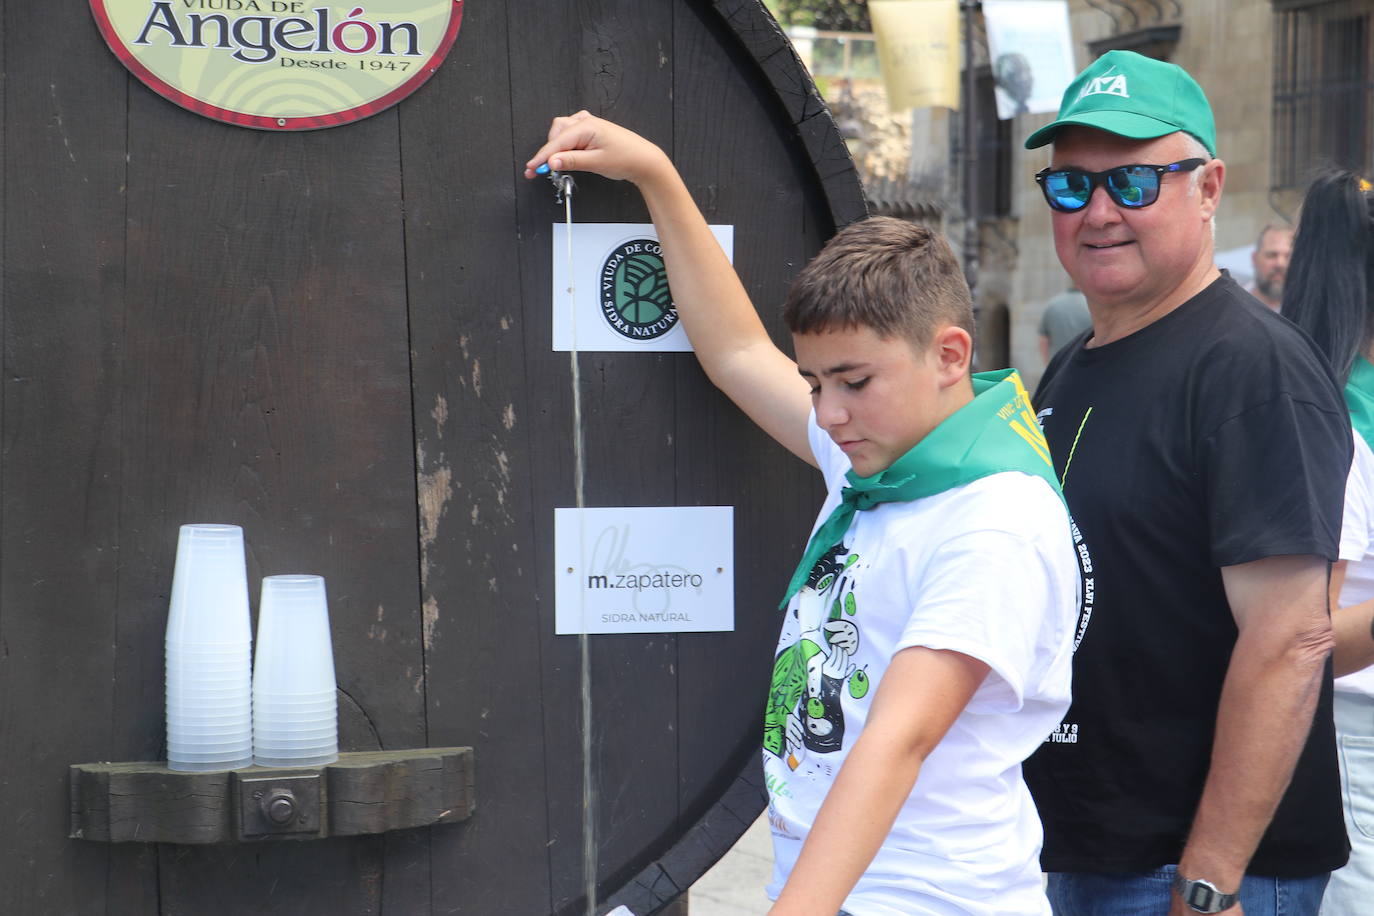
x,y
1359,397
994,432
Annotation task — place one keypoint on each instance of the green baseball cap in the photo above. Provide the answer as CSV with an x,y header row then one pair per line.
x,y
1133,96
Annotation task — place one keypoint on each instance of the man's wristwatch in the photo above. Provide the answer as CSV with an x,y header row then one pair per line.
x,y
1202,896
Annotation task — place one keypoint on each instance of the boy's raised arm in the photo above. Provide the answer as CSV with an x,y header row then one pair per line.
x,y
729,339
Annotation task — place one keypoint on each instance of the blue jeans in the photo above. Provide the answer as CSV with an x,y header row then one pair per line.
x,y
1352,887
1150,894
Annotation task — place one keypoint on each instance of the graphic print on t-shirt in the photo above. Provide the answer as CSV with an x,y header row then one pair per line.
x,y
804,714
1085,559
1067,732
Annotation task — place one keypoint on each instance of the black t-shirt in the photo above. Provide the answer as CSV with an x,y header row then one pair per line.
x,y
1212,437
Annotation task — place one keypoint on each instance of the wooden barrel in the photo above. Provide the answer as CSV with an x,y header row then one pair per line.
x,y
340,340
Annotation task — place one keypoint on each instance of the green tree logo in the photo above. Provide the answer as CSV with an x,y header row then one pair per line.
x,y
635,299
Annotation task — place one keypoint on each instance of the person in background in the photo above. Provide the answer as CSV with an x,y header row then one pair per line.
x,y
1331,297
1270,258
1065,317
1203,447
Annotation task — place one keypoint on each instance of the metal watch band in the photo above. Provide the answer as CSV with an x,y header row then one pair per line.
x,y
1202,896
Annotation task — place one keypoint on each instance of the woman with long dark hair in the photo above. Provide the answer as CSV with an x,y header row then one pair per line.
x,y
1329,293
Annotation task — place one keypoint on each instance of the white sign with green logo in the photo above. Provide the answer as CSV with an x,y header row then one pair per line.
x,y
644,570
611,293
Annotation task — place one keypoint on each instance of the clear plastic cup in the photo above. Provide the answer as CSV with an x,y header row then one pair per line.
x,y
191,714
293,674
201,732
276,709
192,677
294,726
204,710
207,649
282,747
195,661
232,749
225,749
192,696
296,749
286,739
296,699
209,602
224,717
287,762
295,654
209,688
282,723
224,684
315,731
313,753
294,719
209,766
234,727
182,734
214,760
177,660
209,652
223,730
192,704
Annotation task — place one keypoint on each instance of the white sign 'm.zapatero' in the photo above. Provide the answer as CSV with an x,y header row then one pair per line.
x,y
644,570
281,64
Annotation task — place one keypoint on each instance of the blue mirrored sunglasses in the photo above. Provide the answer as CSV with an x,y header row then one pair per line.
x,y
1133,186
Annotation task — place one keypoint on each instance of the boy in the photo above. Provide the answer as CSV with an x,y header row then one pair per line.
x,y
928,626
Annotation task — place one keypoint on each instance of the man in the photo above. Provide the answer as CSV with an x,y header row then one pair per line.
x,y
1270,259
1203,451
1065,317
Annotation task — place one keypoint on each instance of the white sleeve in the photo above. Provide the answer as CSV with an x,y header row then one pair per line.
x,y
1357,519
1008,600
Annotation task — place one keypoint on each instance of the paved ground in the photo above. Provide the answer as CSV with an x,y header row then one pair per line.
x,y
734,887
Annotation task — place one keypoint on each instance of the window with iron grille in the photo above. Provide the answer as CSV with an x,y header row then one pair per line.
x,y
1322,86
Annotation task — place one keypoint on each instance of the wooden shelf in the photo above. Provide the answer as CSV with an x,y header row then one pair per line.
x,y
361,793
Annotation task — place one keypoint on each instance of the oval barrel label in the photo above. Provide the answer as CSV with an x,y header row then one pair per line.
x,y
635,299
281,64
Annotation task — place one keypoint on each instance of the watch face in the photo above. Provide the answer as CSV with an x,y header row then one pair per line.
x,y
1201,896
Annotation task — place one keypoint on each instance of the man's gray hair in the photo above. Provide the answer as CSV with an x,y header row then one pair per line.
x,y
1196,150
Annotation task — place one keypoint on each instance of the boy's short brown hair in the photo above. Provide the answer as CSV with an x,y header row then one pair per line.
x,y
897,278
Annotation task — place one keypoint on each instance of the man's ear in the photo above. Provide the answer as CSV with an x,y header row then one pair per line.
x,y
1213,177
952,348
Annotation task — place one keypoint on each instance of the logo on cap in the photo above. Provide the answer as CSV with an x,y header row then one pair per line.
x,y
1105,85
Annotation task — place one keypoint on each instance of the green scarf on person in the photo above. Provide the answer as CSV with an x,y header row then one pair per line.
x,y
994,432
1359,397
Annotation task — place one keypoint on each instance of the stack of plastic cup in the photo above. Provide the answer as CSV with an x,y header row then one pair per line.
x,y
209,653
295,715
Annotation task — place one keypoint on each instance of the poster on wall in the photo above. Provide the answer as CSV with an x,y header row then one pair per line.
x,y
610,292
644,570
918,51
1031,52
280,64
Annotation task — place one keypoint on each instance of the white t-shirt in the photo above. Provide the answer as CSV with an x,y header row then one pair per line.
x,y
1357,549
987,569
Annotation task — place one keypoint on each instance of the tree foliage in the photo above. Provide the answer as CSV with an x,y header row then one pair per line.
x,y
827,15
